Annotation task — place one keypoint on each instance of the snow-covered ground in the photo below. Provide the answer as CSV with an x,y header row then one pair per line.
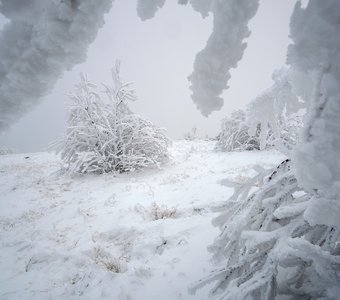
x,y
132,236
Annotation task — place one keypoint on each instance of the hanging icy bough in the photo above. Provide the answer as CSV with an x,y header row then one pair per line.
x,y
45,38
316,54
41,41
224,47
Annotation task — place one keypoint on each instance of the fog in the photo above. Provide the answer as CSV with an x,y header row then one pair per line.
x,y
158,55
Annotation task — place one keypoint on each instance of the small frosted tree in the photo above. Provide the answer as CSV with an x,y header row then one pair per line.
x,y
103,134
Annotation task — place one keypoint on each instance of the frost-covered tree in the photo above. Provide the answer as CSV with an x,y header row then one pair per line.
x,y
275,111
103,134
283,241
273,119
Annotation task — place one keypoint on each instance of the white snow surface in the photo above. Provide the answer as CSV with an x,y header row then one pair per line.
x,y
62,237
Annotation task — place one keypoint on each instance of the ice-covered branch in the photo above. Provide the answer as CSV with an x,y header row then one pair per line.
x,y
41,41
224,47
147,9
315,54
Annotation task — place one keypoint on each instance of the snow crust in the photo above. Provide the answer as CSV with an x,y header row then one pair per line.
x,y
62,237
42,40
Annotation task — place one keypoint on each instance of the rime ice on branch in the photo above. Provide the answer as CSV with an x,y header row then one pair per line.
x,y
224,48
42,40
147,9
284,239
316,54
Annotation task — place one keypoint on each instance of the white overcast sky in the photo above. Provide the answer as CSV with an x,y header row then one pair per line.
x,y
158,55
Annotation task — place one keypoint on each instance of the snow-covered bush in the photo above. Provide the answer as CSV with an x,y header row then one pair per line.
x,y
237,135
191,135
277,112
103,135
273,119
234,135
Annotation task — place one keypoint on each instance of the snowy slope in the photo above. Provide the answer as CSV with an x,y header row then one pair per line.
x,y
104,236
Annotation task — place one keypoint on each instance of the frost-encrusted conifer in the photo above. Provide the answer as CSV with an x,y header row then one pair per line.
x,y
268,247
283,241
103,134
223,50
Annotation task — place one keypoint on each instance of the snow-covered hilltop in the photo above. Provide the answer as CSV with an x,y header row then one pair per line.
x,y
138,236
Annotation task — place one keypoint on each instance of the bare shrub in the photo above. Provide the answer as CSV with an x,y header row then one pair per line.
x,y
157,212
112,264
